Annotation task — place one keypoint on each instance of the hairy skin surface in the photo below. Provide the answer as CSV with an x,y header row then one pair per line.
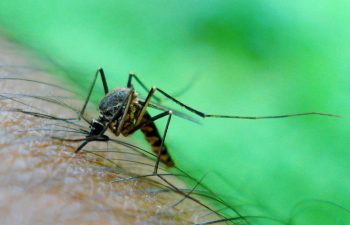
x,y
42,181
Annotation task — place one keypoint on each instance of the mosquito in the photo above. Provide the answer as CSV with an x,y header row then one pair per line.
x,y
124,113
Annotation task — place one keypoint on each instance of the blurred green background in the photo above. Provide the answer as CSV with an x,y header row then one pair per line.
x,y
244,57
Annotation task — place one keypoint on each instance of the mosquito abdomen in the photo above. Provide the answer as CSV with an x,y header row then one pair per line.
x,y
152,136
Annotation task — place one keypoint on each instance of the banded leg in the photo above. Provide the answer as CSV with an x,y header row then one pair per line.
x,y
105,87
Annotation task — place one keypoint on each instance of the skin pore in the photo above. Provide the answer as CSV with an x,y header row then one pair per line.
x,y
42,181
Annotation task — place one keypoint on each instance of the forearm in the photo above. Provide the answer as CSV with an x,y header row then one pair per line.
x,y
43,181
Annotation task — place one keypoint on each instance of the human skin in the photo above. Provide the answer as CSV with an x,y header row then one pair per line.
x,y
43,181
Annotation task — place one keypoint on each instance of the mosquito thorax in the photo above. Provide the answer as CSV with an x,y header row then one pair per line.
x,y
112,102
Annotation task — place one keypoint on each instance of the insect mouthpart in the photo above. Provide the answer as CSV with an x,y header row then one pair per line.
x,y
96,127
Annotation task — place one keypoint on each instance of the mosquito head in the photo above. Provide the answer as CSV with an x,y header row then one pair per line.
x,y
96,127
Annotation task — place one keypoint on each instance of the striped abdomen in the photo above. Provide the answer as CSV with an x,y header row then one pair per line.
x,y
152,136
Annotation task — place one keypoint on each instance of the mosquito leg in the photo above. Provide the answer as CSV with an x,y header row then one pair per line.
x,y
162,144
204,115
146,122
145,105
151,120
159,100
126,110
129,85
105,87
